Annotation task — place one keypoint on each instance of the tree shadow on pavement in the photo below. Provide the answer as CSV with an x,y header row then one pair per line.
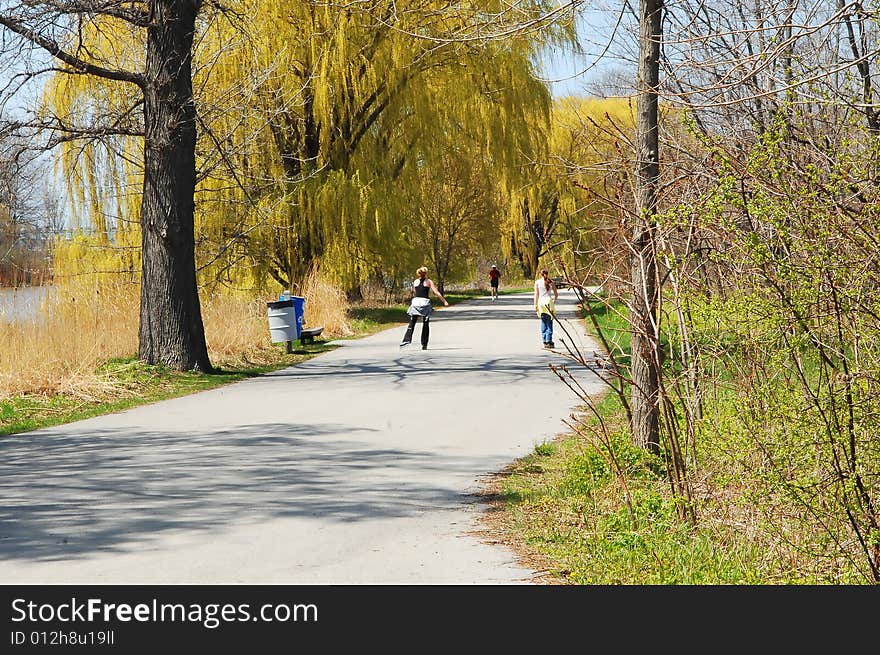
x,y
67,495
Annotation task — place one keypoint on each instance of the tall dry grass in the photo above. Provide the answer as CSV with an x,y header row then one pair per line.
x,y
326,305
82,324
86,323
237,327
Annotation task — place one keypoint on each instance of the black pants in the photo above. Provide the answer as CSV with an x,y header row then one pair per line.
x,y
412,326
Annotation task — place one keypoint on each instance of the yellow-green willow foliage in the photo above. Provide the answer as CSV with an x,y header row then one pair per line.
x,y
315,117
343,108
591,142
103,174
573,211
453,210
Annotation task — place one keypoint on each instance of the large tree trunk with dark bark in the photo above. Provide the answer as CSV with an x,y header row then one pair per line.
x,y
171,330
645,367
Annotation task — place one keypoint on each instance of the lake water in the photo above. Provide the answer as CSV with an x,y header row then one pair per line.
x,y
22,303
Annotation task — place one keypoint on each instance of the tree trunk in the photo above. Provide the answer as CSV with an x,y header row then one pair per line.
x,y
643,266
171,330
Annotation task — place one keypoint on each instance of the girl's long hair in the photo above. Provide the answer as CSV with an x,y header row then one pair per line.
x,y
544,274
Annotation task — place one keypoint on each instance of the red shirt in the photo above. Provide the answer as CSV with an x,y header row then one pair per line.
x,y
494,274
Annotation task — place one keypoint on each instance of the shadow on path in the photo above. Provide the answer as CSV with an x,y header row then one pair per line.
x,y
420,364
68,495
74,492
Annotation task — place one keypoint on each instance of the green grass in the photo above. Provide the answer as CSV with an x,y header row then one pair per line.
x,y
369,319
566,503
591,508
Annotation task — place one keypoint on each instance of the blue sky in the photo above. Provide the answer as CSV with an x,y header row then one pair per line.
x,y
566,76
573,73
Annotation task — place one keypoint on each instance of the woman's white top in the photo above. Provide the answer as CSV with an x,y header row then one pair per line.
x,y
546,303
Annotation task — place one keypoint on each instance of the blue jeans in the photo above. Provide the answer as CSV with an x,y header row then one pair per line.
x,y
546,328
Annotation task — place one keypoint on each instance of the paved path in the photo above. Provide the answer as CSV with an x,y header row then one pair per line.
x,y
352,468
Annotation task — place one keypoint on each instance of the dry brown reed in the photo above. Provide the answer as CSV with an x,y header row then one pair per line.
x,y
326,305
75,328
84,323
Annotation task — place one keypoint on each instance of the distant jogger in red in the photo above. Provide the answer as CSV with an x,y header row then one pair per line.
x,y
494,277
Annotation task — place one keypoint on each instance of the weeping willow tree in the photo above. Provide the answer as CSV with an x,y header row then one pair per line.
x,y
532,219
570,203
102,167
348,109
453,211
532,198
590,156
314,119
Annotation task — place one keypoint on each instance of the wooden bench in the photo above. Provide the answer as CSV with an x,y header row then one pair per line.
x,y
307,335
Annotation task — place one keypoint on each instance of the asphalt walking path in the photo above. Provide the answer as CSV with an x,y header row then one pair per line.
x,y
356,467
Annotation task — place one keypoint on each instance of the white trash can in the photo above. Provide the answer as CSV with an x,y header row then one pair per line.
x,y
282,321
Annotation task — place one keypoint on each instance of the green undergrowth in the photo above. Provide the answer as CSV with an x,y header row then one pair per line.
x,y
369,319
567,501
599,510
612,319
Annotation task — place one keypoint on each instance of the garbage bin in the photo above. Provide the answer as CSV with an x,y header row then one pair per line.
x,y
283,325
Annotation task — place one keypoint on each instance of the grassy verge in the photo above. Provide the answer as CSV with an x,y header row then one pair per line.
x,y
590,508
368,319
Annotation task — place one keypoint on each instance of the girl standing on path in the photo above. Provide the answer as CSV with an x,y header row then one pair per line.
x,y
421,306
546,296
